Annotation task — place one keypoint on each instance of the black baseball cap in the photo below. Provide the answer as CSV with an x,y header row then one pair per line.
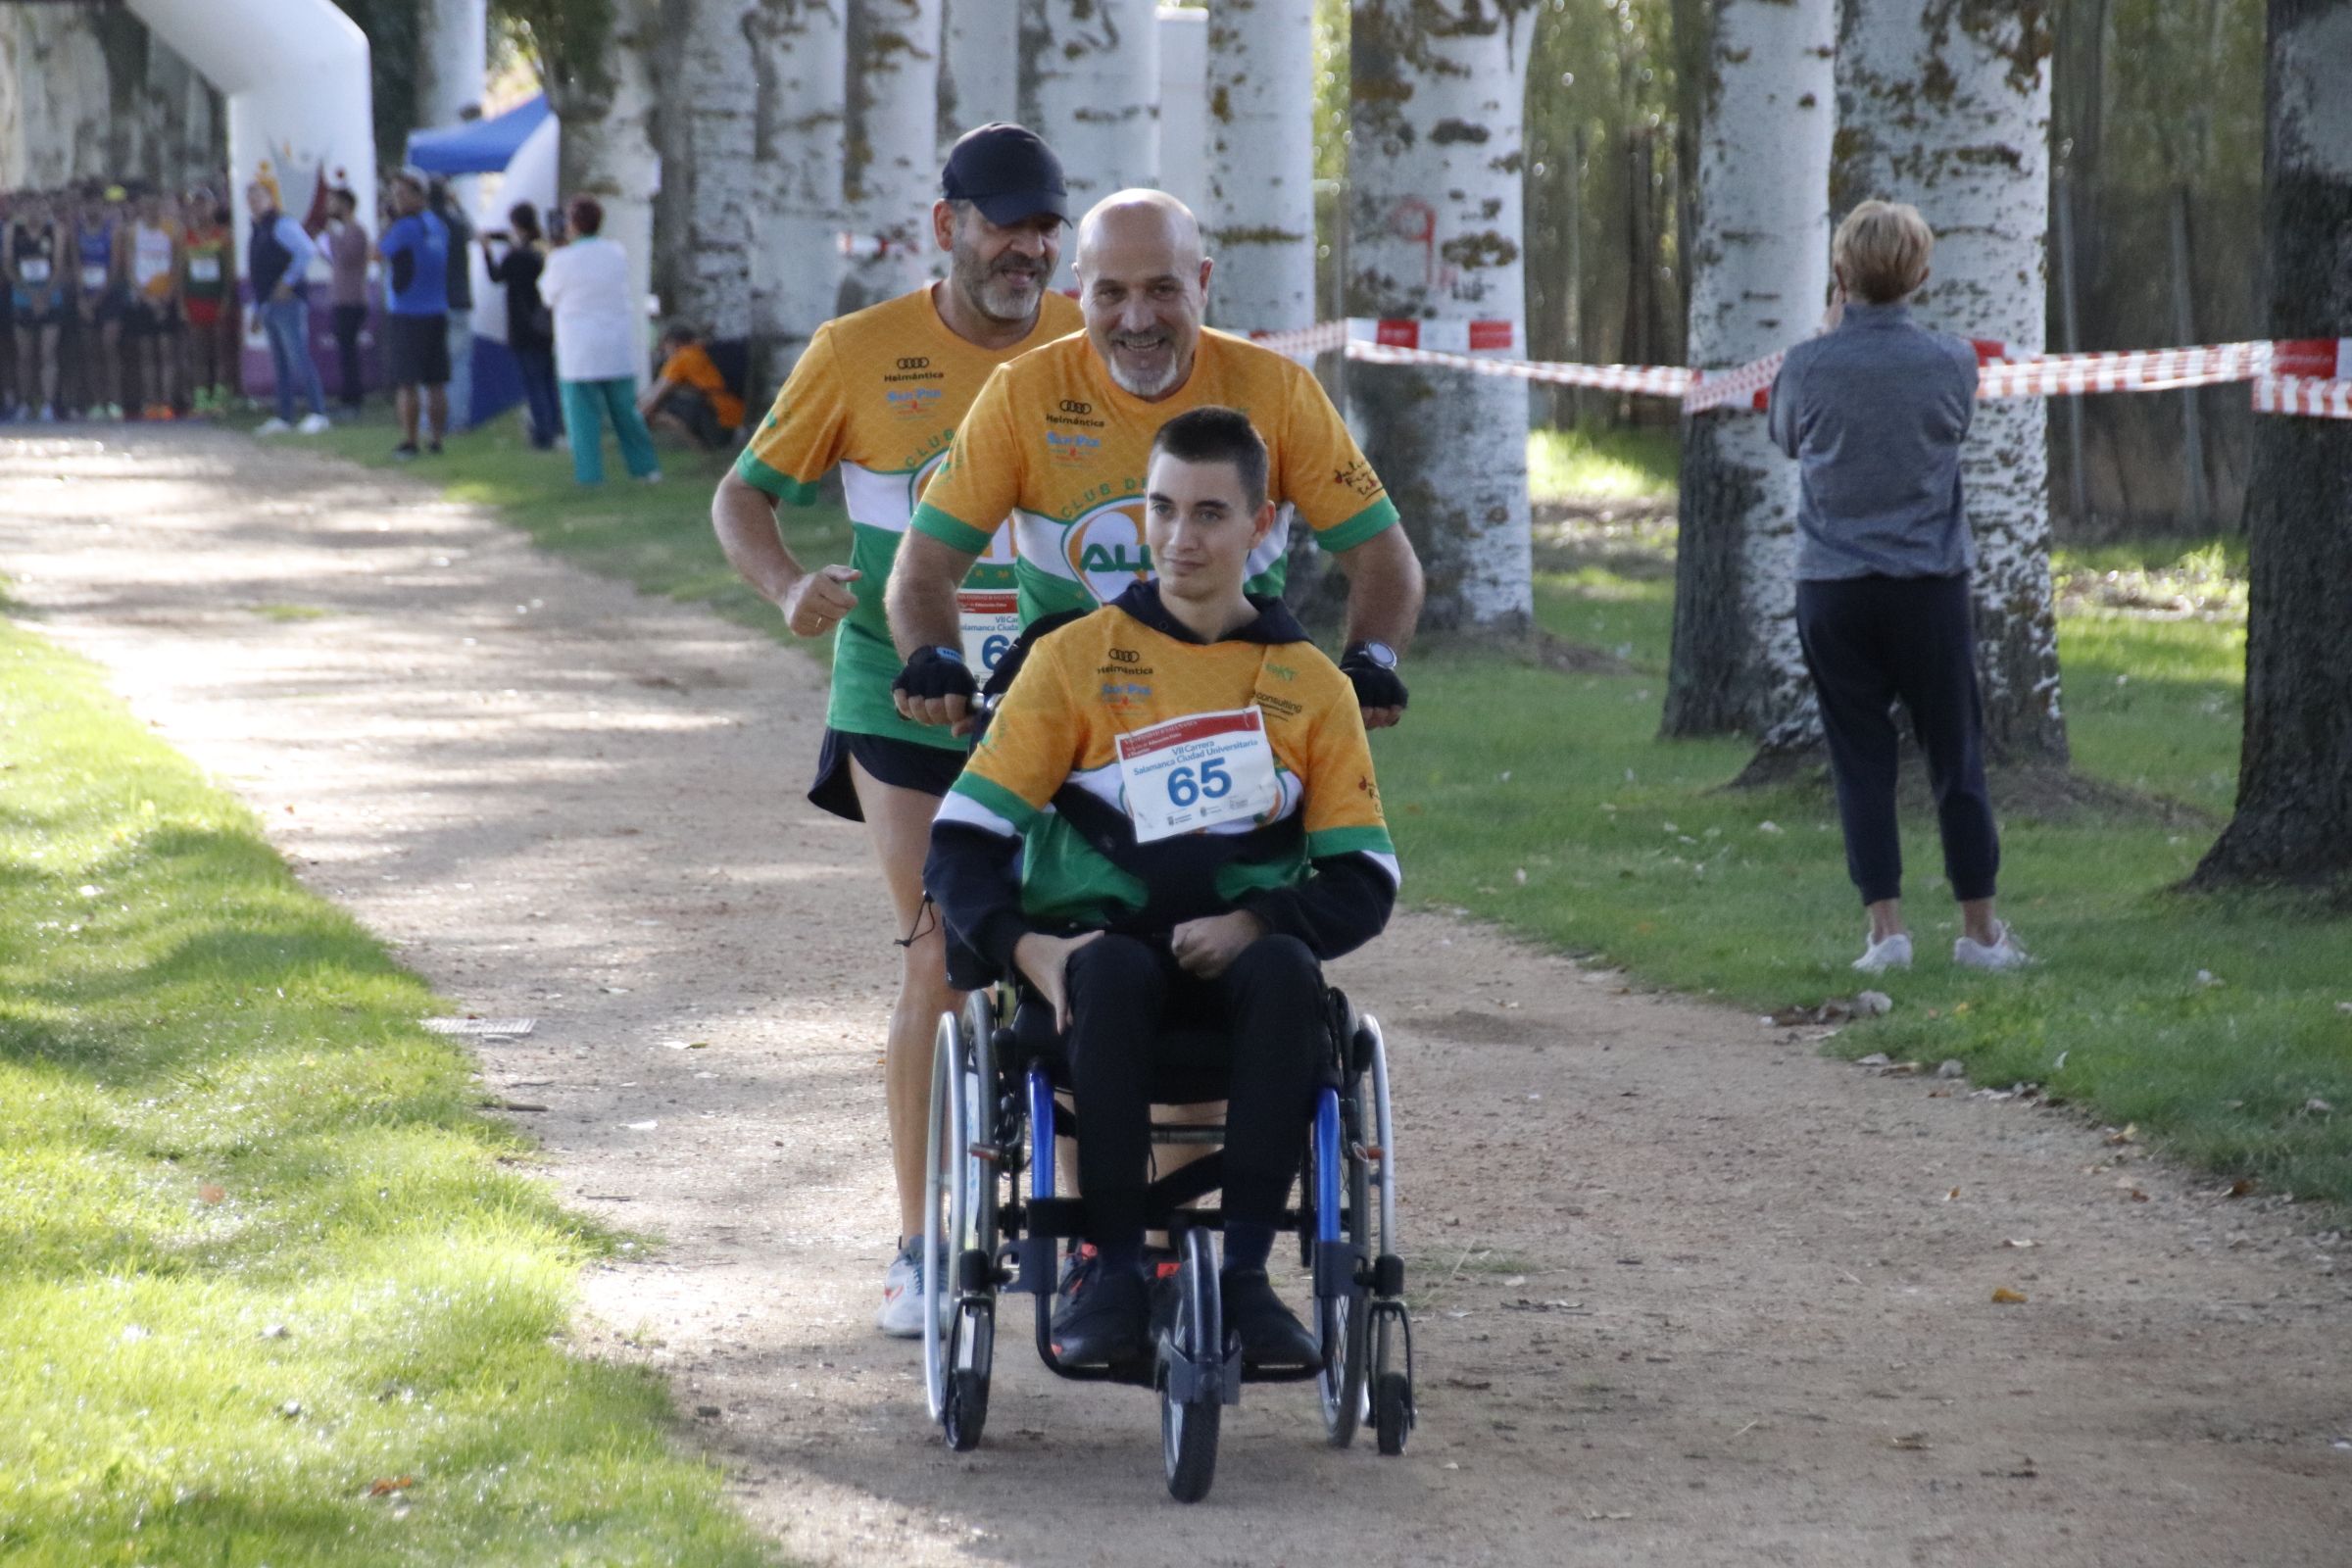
x,y
1007,171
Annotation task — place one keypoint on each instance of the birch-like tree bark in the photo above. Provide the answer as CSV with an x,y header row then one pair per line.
x,y
979,67
892,174
1261,163
1946,104
709,120
87,94
601,84
453,57
1433,233
2294,782
800,50
1759,270
1090,87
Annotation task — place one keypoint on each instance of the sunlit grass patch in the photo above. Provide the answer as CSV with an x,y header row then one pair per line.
x,y
1627,463
267,1293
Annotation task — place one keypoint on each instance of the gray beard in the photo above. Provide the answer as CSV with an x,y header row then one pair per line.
x,y
1146,390
989,294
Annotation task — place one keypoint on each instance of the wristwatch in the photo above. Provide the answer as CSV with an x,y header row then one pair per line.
x,y
1380,654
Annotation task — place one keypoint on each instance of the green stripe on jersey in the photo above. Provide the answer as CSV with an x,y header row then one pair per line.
x,y
948,530
1380,514
775,481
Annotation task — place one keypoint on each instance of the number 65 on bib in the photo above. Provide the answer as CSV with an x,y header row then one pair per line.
x,y
1198,771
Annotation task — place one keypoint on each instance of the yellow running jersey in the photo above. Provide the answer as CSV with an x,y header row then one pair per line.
x,y
880,392
1053,443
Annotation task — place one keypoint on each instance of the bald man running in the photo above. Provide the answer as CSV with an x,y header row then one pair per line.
x,y
1057,441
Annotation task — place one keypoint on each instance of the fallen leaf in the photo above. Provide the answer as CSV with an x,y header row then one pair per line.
x,y
1913,1441
2127,1135
2241,1187
388,1485
2009,1297
1950,1196
212,1193
2018,1241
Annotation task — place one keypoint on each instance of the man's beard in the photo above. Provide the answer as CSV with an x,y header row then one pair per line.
x,y
1146,387
997,293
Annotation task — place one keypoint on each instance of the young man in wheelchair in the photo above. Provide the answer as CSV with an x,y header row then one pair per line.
x,y
1170,823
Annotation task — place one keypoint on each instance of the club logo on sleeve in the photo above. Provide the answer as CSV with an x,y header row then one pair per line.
x,y
1105,549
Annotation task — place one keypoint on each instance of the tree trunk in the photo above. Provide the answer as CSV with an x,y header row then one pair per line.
x,y
979,68
89,94
1435,233
801,51
892,174
1261,163
1946,105
708,167
1092,89
603,90
2295,780
453,59
1759,268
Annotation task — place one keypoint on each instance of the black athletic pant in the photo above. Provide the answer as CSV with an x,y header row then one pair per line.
x,y
1265,1017
349,318
1868,641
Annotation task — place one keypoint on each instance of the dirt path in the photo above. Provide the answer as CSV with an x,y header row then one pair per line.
x,y
1691,1294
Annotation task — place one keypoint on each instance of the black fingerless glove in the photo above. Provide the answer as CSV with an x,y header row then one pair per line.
x,y
935,672
1377,685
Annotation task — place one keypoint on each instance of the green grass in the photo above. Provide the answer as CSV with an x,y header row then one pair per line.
x,y
1630,463
1634,853
258,1248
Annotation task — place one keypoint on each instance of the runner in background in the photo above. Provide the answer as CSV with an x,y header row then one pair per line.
x,y
879,393
33,256
98,303
203,300
151,260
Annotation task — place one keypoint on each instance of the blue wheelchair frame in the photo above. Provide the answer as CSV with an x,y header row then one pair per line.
x,y
986,1127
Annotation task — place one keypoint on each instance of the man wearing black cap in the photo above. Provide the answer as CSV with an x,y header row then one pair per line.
x,y
879,393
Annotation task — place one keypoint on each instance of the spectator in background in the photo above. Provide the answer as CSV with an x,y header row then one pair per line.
x,y
415,253
279,254
98,303
347,254
34,248
689,396
1874,409
586,286
530,330
204,299
452,213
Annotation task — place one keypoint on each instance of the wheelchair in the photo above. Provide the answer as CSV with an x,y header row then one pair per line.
x,y
995,1227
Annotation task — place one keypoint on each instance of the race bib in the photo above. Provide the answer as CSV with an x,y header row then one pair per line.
x,y
33,270
1195,772
204,269
991,621
93,276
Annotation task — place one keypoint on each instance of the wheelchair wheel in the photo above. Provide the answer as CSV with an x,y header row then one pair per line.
x,y
1392,1413
1342,1321
1391,1372
1188,1424
959,1237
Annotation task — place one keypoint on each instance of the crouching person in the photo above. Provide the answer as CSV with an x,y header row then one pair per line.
x,y
1170,824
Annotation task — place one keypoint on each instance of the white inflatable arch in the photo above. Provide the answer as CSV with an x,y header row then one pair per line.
x,y
295,74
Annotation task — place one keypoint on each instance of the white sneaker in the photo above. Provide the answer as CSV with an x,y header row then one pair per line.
x,y
1893,953
654,477
2001,956
272,427
313,424
901,1312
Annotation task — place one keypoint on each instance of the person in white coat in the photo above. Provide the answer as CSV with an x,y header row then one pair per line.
x,y
585,287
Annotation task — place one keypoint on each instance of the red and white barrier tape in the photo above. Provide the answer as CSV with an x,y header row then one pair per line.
x,y
2310,377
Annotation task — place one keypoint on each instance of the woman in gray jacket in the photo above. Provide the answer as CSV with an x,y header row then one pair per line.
x,y
1874,409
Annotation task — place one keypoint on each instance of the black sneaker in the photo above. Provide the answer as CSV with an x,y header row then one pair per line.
x,y
1271,1333
406,452
1105,1320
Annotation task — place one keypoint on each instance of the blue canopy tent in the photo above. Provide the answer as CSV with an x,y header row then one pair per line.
x,y
479,146
482,147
